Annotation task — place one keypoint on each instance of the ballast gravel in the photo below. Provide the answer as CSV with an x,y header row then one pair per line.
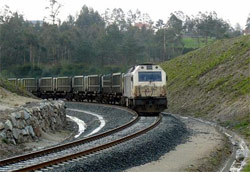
x,y
143,149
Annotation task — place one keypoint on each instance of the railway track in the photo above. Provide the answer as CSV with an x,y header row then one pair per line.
x,y
73,150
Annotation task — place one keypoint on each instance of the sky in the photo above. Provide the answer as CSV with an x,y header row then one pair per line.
x,y
230,10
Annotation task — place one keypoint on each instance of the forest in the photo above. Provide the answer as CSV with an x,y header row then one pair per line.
x,y
93,43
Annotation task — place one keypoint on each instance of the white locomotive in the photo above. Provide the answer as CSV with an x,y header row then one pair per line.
x,y
145,88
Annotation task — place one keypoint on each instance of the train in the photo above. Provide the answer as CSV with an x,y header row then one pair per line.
x,y
142,88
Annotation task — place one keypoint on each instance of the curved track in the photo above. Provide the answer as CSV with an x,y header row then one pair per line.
x,y
18,163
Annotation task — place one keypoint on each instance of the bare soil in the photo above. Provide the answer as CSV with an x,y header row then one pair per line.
x,y
10,100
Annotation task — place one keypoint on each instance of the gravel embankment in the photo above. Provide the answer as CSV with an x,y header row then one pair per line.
x,y
146,148
113,117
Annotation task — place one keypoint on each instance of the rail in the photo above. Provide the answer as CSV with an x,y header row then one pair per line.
x,y
57,148
90,151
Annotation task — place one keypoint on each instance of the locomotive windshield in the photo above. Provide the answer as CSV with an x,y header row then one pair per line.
x,y
149,76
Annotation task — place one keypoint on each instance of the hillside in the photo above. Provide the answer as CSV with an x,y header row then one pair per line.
x,y
4,84
213,83
12,96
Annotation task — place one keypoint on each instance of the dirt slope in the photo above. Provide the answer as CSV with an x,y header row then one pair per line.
x,y
11,100
213,83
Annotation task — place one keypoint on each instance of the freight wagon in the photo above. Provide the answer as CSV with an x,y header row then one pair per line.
x,y
142,88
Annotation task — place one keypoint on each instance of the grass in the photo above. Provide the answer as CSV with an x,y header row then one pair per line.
x,y
14,89
193,43
242,86
243,126
247,167
218,82
186,70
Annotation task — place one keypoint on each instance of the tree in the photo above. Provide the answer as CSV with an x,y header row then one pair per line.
x,y
237,30
248,22
161,27
54,9
209,25
118,17
90,27
133,18
5,14
32,42
13,40
85,43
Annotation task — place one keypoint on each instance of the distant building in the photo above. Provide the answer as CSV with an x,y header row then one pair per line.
x,y
141,25
35,22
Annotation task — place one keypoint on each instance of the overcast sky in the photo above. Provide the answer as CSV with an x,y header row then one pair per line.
x,y
235,11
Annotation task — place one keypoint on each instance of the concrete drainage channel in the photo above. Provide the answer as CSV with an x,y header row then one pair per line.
x,y
237,160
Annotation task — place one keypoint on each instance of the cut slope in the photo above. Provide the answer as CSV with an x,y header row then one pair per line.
x,y
213,83
207,81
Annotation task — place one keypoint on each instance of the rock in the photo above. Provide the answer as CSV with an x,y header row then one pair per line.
x,y
16,115
53,120
27,123
25,132
16,132
25,114
20,124
3,134
1,126
240,155
13,119
12,141
31,131
9,134
8,125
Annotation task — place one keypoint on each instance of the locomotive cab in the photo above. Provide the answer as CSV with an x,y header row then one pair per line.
x,y
145,88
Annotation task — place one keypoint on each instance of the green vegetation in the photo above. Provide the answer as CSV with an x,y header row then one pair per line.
x,y
188,69
13,88
92,43
217,83
60,69
213,83
243,125
240,124
195,43
242,86
247,168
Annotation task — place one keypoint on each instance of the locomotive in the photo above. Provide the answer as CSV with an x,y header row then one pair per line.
x,y
142,88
